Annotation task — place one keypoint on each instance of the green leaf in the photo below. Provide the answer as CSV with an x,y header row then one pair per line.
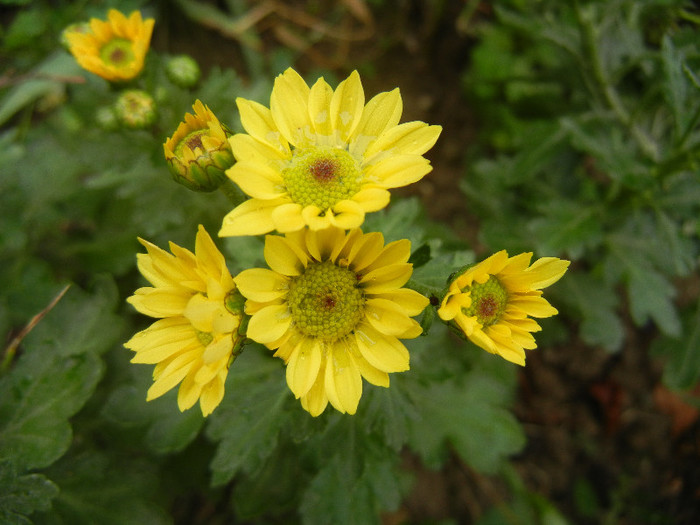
x,y
675,84
355,484
37,402
597,305
252,415
469,413
682,354
45,80
22,495
105,489
168,429
54,376
566,227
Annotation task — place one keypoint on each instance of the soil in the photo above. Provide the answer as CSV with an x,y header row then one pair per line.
x,y
606,442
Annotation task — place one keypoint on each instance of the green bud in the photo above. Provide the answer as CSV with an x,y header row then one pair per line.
x,y
183,71
135,109
198,153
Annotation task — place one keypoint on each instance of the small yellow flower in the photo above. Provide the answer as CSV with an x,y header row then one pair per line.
x,y
114,49
198,333
490,303
321,158
333,307
198,153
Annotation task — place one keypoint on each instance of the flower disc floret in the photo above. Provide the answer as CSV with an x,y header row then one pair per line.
x,y
333,307
320,157
322,176
114,49
326,301
491,303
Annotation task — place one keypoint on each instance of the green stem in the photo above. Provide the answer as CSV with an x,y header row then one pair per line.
x,y
233,192
607,90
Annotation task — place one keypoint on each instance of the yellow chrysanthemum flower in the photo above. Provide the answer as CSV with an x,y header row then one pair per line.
x,y
198,153
491,302
321,158
333,307
114,49
201,325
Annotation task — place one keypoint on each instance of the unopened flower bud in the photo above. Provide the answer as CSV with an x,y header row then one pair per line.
x,y
106,118
135,109
199,153
183,71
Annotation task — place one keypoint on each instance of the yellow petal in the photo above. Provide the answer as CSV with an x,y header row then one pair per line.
x,y
394,252
253,217
388,317
546,271
259,124
382,112
412,302
213,393
269,324
372,199
343,380
384,352
159,302
321,243
288,217
319,108
346,215
303,366
249,149
188,394
283,256
289,107
365,251
316,400
386,278
414,138
261,284
257,180
346,106
396,171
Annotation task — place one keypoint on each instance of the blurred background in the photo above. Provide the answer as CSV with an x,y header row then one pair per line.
x,y
570,129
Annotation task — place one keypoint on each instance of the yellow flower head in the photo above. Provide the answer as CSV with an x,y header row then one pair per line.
x,y
198,153
114,49
200,319
491,301
320,157
333,307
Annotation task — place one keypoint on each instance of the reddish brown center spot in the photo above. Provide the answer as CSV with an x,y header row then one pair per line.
x,y
328,302
117,55
488,306
195,142
323,170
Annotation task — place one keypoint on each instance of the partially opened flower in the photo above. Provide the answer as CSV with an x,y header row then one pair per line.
x,y
201,323
114,49
198,153
491,302
334,308
319,157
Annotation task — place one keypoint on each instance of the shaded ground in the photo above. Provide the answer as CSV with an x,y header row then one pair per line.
x,y
605,439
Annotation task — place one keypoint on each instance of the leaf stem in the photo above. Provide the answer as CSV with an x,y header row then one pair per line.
x,y
607,90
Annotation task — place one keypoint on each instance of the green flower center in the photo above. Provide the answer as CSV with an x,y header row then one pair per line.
x,y
192,140
326,301
489,301
204,337
322,176
117,52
